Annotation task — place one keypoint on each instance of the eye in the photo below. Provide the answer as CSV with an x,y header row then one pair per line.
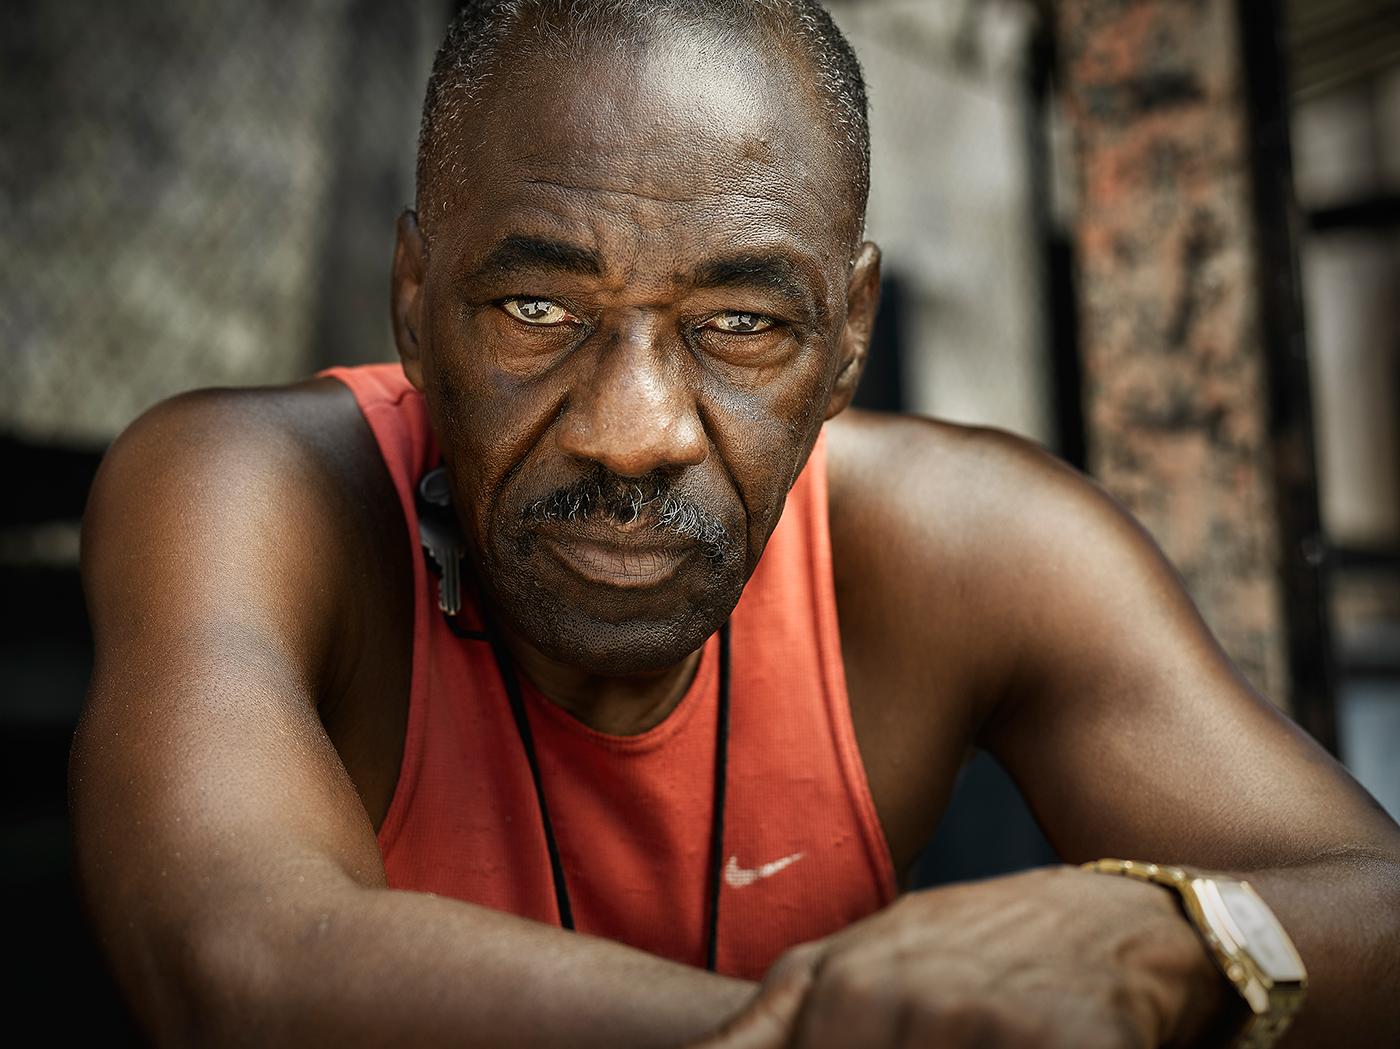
x,y
740,323
539,312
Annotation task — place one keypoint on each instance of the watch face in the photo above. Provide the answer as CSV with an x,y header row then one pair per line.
x,y
1262,934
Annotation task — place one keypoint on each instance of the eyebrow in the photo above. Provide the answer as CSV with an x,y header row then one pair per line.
x,y
536,253
774,273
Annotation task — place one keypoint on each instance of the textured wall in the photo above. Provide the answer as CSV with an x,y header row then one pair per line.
x,y
1175,398
951,202
162,204
194,193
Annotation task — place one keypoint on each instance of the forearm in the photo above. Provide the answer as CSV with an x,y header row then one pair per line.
x,y
1342,911
368,967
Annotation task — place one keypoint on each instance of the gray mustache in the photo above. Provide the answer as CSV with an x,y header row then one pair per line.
x,y
603,495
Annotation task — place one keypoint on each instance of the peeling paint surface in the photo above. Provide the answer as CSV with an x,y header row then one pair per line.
x,y
1175,400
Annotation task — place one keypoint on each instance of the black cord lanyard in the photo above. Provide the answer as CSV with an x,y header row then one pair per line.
x,y
511,680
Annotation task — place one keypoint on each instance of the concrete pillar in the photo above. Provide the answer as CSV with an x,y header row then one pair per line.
x,y
1175,382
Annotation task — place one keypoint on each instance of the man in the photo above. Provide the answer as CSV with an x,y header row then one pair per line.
x,y
631,308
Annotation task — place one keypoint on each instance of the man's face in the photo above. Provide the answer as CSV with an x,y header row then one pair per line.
x,y
630,326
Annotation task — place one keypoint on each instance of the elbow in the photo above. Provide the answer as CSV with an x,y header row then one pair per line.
x,y
214,983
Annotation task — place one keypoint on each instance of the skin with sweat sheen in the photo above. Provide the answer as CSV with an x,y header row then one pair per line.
x,y
668,308
636,292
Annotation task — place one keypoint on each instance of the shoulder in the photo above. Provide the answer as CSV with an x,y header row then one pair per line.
x,y
984,548
223,460
953,494
309,424
229,509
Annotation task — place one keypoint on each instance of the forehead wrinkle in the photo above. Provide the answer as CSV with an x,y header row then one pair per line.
x,y
656,245
668,161
636,168
673,212
654,198
579,188
630,263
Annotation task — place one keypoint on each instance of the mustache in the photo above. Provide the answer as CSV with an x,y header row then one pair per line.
x,y
604,495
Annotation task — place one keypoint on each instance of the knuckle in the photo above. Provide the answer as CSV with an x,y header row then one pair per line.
x,y
943,1018
850,990
803,958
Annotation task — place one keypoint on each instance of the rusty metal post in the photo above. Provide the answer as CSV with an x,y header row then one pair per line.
x,y
1176,367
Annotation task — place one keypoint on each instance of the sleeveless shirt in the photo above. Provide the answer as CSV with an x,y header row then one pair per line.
x,y
804,852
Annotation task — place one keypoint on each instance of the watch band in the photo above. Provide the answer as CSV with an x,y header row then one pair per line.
x,y
1244,938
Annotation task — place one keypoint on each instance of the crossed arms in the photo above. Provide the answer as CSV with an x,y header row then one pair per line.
x,y
245,562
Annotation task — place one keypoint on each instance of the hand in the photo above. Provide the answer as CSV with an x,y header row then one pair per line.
x,y
1056,958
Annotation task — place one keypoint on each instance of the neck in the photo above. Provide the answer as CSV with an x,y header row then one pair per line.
x,y
625,705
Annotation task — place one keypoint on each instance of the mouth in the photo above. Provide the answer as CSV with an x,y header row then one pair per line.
x,y
619,560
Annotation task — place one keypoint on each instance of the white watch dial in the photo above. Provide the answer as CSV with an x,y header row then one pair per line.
x,y
1265,939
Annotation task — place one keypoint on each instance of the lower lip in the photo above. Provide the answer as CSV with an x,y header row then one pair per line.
x,y
612,567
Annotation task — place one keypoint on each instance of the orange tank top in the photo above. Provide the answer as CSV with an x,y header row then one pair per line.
x,y
804,853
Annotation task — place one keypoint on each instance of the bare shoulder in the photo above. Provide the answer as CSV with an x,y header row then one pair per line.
x,y
987,521
261,516
215,442
954,481
1019,571
993,597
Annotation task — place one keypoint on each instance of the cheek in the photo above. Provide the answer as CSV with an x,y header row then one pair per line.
x,y
784,398
486,427
764,433
485,410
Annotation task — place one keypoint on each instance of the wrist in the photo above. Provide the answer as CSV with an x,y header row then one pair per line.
x,y
1164,960
1245,942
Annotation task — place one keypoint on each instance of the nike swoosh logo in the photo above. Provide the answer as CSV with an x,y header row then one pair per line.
x,y
737,877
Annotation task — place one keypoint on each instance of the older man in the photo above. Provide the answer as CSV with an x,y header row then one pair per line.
x,y
600,613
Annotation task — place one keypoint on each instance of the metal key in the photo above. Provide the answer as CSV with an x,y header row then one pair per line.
x,y
434,488
442,541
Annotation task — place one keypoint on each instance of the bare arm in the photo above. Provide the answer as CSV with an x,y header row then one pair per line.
x,y
229,867
1133,736
998,599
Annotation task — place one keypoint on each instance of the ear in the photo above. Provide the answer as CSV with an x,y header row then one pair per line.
x,y
406,295
862,300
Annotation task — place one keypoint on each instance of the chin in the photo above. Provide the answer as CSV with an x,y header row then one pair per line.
x,y
620,649
617,634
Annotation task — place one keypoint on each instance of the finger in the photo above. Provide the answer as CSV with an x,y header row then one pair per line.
x,y
767,1022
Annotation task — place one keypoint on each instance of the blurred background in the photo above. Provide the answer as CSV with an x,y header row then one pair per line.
x,y
1158,237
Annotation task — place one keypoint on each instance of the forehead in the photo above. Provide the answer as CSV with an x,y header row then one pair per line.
x,y
675,145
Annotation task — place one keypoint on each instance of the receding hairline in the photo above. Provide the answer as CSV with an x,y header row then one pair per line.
x,y
462,83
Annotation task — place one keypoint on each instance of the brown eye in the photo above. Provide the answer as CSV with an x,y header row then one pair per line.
x,y
740,323
539,312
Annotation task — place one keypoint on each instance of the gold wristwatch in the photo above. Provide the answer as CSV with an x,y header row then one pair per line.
x,y
1245,939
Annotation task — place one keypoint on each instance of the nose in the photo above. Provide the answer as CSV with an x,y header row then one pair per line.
x,y
632,408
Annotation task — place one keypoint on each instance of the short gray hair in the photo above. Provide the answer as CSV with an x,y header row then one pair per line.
x,y
471,49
